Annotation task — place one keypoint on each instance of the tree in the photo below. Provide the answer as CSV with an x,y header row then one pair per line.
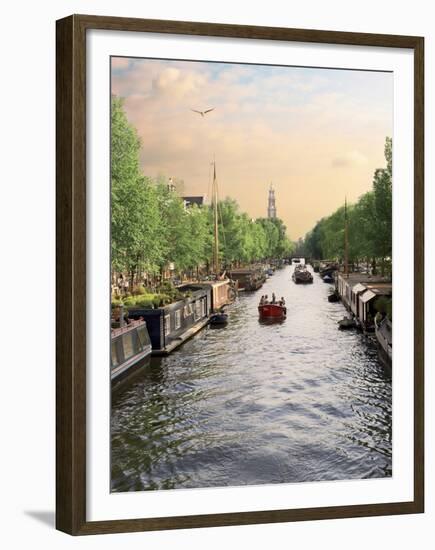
x,y
151,226
135,220
369,224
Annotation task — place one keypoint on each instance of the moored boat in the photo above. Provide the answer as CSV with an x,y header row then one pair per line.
x,y
346,323
171,325
249,279
328,270
384,336
130,349
333,297
218,319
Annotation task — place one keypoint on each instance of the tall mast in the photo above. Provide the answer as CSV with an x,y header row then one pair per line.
x,y
346,241
215,215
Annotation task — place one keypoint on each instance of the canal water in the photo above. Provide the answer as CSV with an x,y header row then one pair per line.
x,y
256,403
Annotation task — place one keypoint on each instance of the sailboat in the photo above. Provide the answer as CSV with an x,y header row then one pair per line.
x,y
223,290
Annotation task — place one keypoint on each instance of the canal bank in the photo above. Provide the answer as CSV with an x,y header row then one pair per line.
x,y
253,403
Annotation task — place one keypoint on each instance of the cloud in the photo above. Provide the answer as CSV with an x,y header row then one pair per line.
x,y
294,127
120,63
350,158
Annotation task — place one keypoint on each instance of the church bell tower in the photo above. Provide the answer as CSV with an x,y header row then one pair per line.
x,y
271,208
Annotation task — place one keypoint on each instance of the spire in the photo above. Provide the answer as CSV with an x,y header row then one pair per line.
x,y
271,208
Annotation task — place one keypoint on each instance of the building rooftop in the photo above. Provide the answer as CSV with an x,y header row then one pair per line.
x,y
354,279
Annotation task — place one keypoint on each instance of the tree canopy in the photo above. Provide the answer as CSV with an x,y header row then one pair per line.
x,y
369,224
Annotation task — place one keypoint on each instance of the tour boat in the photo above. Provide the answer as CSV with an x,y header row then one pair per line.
x,y
272,311
301,275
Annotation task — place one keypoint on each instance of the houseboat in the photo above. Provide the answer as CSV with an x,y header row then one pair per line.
x,y
249,279
366,308
327,269
350,287
170,326
222,292
130,349
384,336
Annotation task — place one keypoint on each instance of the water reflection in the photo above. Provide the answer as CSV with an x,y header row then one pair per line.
x,y
254,403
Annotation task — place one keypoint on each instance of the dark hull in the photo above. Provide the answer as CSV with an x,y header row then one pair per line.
x,y
170,326
130,350
345,324
302,277
303,281
220,319
126,377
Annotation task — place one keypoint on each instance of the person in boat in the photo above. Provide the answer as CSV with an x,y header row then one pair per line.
x,y
282,301
273,298
266,299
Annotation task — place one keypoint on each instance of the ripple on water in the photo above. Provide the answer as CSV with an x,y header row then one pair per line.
x,y
254,403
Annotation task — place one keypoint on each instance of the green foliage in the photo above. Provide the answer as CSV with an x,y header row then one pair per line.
x,y
138,289
382,304
145,302
389,310
130,301
245,240
135,219
369,224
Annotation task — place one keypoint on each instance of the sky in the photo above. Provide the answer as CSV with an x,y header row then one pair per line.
x,y
316,135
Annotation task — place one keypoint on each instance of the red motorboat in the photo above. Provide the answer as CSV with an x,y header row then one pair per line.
x,y
272,311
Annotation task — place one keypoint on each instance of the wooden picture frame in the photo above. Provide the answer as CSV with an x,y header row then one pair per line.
x,y
71,273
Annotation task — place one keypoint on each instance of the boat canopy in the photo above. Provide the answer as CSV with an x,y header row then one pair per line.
x,y
358,288
367,296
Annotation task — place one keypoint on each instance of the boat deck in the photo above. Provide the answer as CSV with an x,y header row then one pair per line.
x,y
181,339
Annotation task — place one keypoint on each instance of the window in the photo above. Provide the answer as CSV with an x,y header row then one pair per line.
x,y
197,309
167,324
115,359
177,319
130,344
143,336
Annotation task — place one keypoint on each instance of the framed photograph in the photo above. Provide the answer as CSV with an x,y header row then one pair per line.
x,y
233,206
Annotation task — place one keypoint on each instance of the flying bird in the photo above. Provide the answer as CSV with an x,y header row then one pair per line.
x,y
202,113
